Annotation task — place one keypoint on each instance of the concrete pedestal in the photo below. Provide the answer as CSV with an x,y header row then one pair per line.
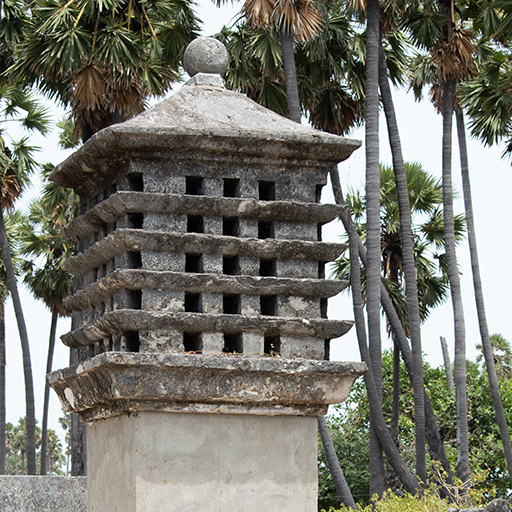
x,y
161,461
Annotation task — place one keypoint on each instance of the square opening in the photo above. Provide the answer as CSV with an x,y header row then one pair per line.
x,y
231,226
134,259
323,307
194,185
135,182
195,224
267,190
327,350
193,303
134,299
319,232
318,193
231,304
231,265
193,342
194,263
231,187
268,305
135,220
268,268
265,229
321,270
132,341
272,345
233,343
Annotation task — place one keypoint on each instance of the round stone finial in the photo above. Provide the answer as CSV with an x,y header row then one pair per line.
x,y
205,55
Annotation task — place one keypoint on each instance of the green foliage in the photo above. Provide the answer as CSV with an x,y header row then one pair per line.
x,y
15,463
350,426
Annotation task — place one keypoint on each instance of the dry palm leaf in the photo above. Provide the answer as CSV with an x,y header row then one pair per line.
x,y
259,12
299,18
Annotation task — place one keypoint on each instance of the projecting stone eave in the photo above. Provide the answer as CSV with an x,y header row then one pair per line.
x,y
208,120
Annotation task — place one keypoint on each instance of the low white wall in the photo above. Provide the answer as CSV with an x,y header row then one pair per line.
x,y
43,494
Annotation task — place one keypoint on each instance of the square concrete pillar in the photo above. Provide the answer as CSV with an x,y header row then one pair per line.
x,y
177,462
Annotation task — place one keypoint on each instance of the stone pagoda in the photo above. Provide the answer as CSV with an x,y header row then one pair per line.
x,y
200,303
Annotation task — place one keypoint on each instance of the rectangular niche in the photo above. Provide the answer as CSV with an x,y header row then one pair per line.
x,y
268,305
231,187
231,304
272,345
231,265
195,224
231,226
193,303
233,343
135,182
194,263
266,229
192,342
268,268
194,185
267,190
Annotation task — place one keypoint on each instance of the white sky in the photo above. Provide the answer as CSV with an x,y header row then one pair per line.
x,y
420,129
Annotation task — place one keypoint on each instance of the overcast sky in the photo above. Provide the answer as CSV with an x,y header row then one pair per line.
x,y
420,129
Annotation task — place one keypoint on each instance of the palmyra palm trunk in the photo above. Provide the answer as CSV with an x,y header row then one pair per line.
x,y
2,388
411,286
453,276
338,478
479,296
373,241
49,362
379,423
292,89
433,435
25,348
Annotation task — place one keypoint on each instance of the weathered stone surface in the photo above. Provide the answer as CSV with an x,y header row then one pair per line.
x,y
209,120
200,283
189,462
116,383
124,240
43,494
498,505
121,203
205,55
134,320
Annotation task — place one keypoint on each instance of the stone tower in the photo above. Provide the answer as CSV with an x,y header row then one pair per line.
x,y
200,302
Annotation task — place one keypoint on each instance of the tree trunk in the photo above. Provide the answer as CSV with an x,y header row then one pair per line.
x,y
338,478
411,287
447,363
479,296
433,435
373,241
374,400
292,89
453,277
78,432
44,427
2,388
27,366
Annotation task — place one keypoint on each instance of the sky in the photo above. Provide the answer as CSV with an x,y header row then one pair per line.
x,y
420,129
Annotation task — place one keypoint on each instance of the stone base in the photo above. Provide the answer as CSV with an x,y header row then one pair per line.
x,y
164,461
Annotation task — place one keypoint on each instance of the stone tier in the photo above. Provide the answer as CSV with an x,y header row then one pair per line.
x,y
115,383
127,279
130,320
130,240
122,203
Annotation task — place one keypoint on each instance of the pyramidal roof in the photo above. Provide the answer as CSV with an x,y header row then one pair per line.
x,y
205,117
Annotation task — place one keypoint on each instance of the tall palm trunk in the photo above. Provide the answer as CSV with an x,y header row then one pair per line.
x,y
374,400
453,276
49,361
292,92
373,242
78,430
411,287
27,366
479,296
447,363
2,388
292,88
433,435
338,478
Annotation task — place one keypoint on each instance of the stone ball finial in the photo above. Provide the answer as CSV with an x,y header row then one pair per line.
x,y
205,55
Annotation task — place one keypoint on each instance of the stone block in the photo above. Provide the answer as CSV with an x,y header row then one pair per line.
x,y
163,300
297,268
152,260
213,343
304,347
253,343
161,342
172,223
295,230
158,461
298,307
43,494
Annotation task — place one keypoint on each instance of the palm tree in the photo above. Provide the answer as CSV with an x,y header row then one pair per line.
x,y
502,355
49,281
104,58
16,164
